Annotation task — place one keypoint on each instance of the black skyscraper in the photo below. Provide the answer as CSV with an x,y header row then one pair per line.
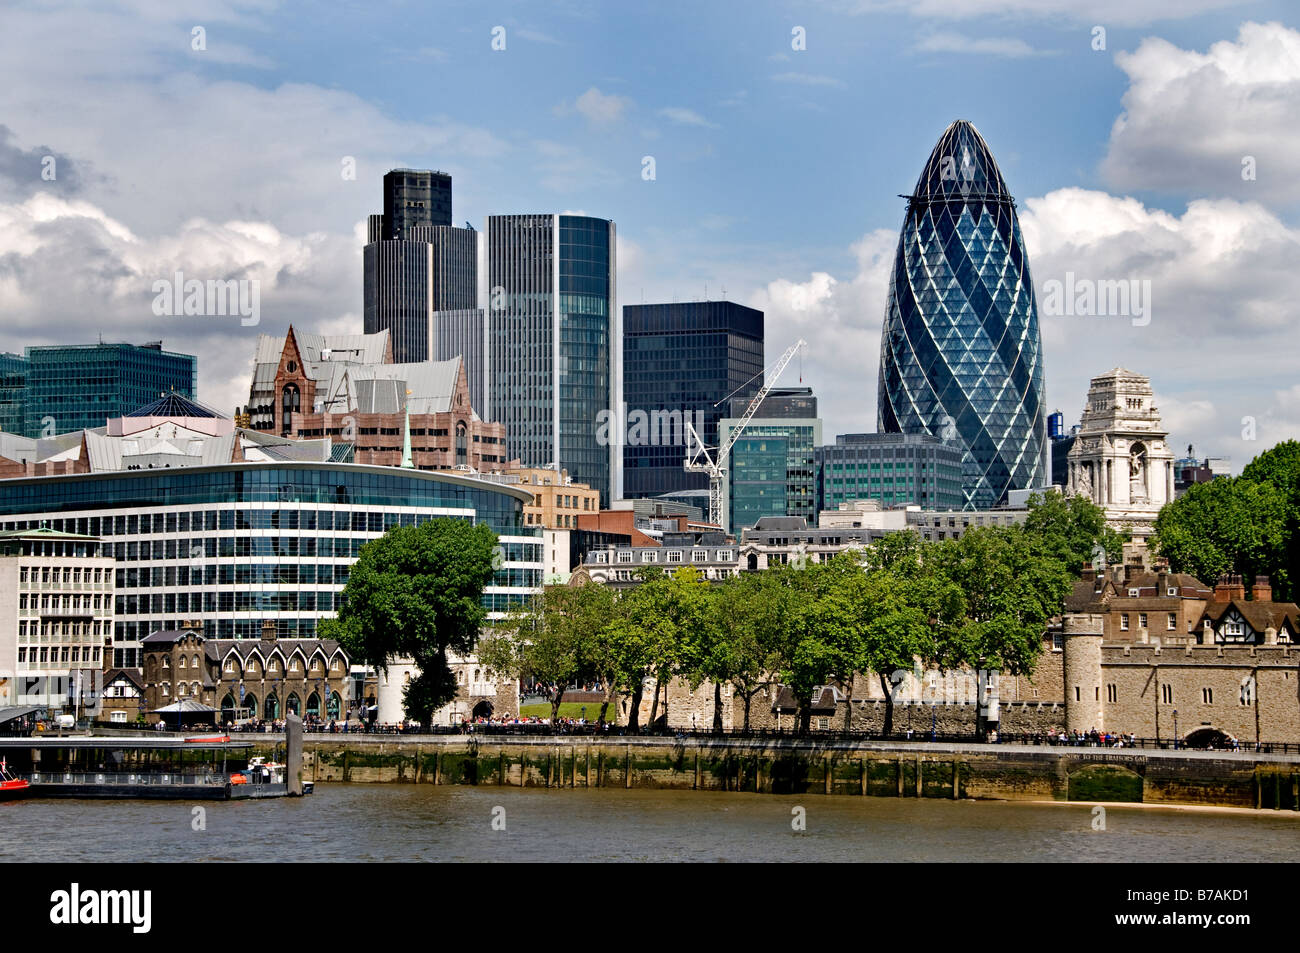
x,y
415,197
682,358
418,268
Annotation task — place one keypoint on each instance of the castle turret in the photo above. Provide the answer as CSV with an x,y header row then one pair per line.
x,y
1083,704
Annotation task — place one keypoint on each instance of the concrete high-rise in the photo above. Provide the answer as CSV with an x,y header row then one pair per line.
x,y
554,355
417,265
681,362
961,355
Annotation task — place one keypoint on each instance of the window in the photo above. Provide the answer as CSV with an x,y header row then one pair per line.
x,y
1077,694
1172,622
1142,620
1112,693
1207,696
1172,591
1167,694
1133,593
1123,622
674,555
647,556
625,557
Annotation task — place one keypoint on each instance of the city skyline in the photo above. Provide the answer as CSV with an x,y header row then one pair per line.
x,y
1111,189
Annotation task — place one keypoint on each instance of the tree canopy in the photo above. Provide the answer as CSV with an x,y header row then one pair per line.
x,y
416,592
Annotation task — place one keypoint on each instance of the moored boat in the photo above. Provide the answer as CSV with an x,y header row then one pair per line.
x,y
11,788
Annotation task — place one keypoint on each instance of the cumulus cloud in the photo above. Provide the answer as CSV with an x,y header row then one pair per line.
x,y
840,319
1220,122
1222,281
70,273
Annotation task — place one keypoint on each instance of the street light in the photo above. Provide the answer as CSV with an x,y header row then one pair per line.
x,y
1175,729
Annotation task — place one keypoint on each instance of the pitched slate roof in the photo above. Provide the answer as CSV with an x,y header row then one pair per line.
x,y
1260,615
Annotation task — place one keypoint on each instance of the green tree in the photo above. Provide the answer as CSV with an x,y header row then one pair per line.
x,y
816,646
1280,467
553,638
750,615
1228,525
416,592
1010,590
1072,528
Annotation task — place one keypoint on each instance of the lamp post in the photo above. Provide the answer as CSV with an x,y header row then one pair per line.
x,y
1175,729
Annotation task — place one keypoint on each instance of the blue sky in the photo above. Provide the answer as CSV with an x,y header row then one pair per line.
x,y
777,170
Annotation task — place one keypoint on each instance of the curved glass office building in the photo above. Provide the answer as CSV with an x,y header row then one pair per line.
x,y
236,544
961,357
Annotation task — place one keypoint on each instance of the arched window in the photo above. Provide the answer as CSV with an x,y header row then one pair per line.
x,y
462,451
165,691
227,704
313,705
294,704
289,400
250,702
182,662
272,706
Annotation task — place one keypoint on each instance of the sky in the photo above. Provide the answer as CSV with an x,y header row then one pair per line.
x,y
1144,140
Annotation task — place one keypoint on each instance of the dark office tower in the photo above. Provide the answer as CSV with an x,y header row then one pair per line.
x,y
679,363
79,386
961,358
13,392
416,264
462,333
554,361
415,197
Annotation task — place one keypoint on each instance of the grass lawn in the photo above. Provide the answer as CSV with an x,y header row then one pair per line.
x,y
569,710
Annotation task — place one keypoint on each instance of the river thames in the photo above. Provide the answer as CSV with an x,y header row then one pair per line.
x,y
370,822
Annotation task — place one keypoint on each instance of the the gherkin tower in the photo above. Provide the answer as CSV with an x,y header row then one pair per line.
x,y
961,356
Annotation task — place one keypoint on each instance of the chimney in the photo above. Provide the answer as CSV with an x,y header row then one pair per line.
x,y
1261,591
268,630
1229,588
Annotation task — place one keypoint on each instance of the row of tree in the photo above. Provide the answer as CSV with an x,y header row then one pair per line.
x,y
1247,525
982,601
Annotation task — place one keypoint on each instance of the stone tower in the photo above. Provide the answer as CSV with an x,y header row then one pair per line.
x,y
1083,702
1121,458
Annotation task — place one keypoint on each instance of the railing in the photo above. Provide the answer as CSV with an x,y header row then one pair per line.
x,y
124,778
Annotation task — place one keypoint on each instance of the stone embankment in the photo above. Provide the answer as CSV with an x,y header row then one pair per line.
x,y
799,766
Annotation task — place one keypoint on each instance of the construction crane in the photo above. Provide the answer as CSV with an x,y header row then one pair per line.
x,y
698,459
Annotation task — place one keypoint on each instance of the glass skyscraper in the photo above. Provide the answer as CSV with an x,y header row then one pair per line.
x,y
79,386
13,392
553,360
772,469
683,359
961,356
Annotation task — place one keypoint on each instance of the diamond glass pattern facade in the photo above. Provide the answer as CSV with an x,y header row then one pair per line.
x,y
961,356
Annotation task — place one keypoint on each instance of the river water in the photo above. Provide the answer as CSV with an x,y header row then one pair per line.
x,y
380,822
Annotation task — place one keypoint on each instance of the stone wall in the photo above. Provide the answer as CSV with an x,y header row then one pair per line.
x,y
807,766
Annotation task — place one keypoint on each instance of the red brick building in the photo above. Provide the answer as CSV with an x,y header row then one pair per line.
x,y
347,388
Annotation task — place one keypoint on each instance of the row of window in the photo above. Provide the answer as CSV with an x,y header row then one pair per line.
x,y
1246,697
34,658
62,631
47,575
1171,621
63,603
670,556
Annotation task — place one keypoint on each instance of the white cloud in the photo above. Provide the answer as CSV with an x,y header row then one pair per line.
x,y
686,117
56,256
600,107
1191,118
1011,47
